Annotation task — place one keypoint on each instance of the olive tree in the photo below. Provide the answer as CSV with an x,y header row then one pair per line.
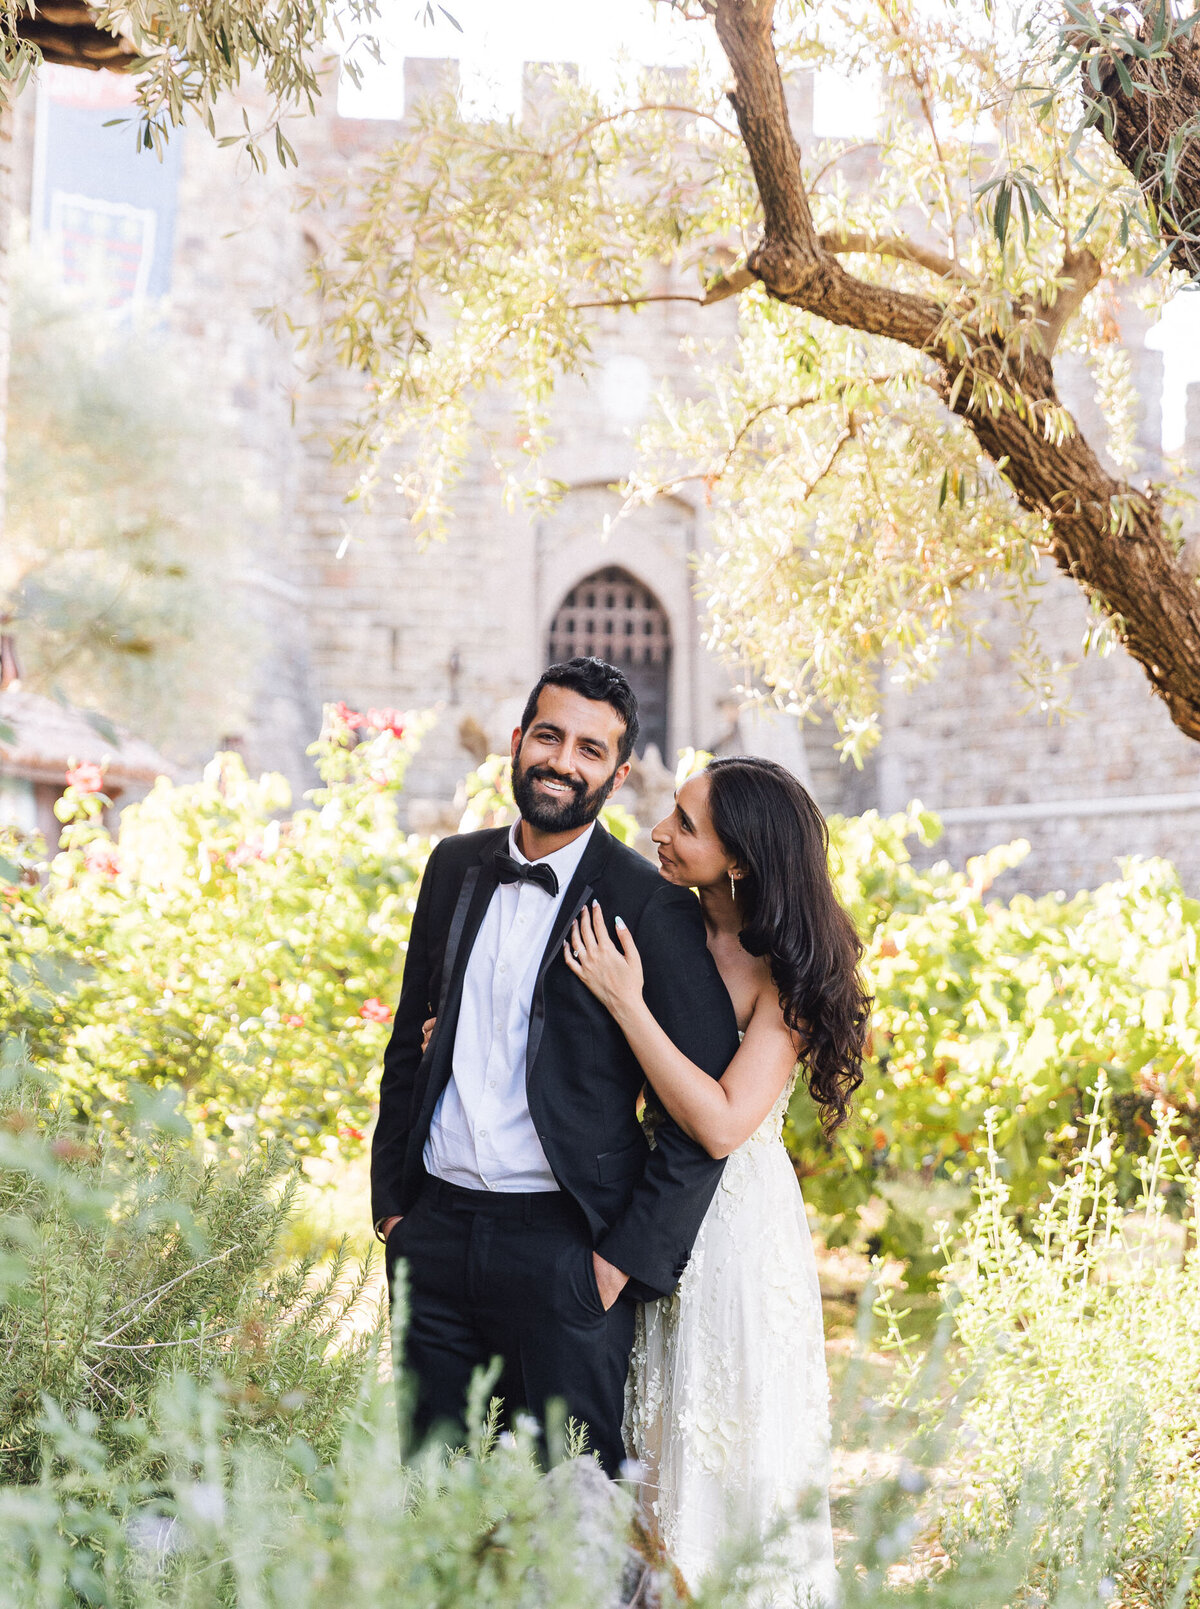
x,y
881,429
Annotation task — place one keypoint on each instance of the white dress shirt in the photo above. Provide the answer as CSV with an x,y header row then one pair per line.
x,y
482,1135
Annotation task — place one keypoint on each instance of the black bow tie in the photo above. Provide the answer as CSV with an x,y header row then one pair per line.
x,y
511,870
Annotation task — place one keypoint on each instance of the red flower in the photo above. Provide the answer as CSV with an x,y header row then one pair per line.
x,y
348,717
374,1010
101,856
87,777
293,1021
387,721
348,1133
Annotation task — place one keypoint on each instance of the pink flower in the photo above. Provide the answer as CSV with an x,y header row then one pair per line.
x,y
348,1133
244,853
374,1010
101,856
87,777
348,717
387,721
293,1021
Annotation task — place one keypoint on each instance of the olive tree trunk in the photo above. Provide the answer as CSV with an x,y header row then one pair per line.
x,y
1104,533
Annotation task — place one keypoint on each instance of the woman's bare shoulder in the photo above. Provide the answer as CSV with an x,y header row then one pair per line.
x,y
767,1010
767,1014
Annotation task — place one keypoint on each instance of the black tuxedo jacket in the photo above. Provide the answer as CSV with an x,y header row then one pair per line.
x,y
644,1207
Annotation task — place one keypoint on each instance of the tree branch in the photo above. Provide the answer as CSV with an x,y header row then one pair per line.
x,y
728,285
633,111
724,286
904,250
1081,274
842,151
1104,533
789,259
640,301
709,477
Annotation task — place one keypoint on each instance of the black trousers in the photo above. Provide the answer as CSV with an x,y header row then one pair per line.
x,y
490,1275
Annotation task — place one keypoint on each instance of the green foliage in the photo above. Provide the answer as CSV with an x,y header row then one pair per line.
x,y
179,1424
127,1257
36,971
249,958
252,959
1026,1006
1104,51
228,1524
1076,1426
1046,1460
189,56
116,561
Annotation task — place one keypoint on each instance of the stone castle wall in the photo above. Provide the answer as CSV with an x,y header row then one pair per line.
x,y
1113,778
462,626
349,607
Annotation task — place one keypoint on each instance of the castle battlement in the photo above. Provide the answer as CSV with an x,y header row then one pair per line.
x,y
425,77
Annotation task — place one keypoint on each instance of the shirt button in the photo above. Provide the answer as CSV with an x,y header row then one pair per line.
x,y
483,1134
491,1083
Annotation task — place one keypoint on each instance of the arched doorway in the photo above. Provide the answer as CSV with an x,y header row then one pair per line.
x,y
611,614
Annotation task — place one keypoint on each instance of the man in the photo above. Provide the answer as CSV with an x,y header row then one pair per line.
x,y
509,1169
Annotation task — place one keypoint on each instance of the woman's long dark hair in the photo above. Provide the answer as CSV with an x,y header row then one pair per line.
x,y
764,817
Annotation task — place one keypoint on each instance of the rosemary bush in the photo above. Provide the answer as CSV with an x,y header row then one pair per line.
x,y
1069,1455
231,1523
127,1257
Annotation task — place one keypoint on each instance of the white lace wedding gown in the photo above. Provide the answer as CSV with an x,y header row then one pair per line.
x,y
727,1405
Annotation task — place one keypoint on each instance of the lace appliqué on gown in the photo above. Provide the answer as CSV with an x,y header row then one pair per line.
x,y
727,1406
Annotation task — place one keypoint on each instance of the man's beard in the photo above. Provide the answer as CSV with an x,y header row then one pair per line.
x,y
567,814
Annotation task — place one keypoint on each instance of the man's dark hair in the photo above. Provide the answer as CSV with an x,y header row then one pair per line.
x,y
597,679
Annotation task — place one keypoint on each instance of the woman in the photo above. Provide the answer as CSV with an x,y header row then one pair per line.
x,y
727,1406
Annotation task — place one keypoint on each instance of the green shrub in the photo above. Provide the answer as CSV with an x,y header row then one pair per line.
x,y
1073,1442
126,1257
1032,1504
249,958
1025,1006
228,1524
180,1427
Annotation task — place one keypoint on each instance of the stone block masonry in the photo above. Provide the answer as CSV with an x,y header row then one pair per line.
x,y
348,606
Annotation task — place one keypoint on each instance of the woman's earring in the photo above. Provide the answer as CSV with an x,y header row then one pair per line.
x,y
732,887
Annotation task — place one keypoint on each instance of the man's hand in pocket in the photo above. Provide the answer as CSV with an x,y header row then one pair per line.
x,y
610,1281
